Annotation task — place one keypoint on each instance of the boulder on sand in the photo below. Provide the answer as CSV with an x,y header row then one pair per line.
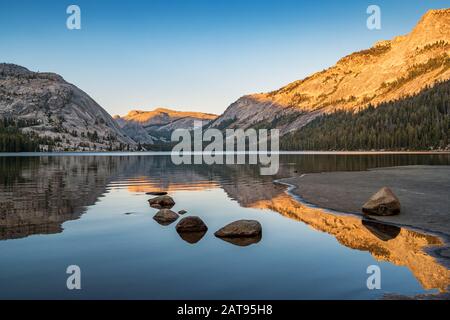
x,y
162,202
165,217
240,229
191,224
382,203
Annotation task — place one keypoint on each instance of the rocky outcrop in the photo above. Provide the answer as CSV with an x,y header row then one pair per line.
x,y
382,203
50,107
136,132
388,71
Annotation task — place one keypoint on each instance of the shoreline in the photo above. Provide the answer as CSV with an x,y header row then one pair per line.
x,y
296,184
137,153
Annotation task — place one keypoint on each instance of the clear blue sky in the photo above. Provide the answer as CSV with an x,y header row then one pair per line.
x,y
192,54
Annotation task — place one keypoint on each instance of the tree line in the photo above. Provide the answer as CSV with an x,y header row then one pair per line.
x,y
12,139
420,122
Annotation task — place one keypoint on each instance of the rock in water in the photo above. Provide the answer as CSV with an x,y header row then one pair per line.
x,y
157,193
182,212
382,203
162,202
165,217
240,229
191,224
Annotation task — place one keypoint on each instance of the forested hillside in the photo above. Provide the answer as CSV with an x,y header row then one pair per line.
x,y
420,122
12,139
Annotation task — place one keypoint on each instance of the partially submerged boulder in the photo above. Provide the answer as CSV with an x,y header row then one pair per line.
x,y
382,203
240,229
191,229
162,202
191,224
182,212
165,217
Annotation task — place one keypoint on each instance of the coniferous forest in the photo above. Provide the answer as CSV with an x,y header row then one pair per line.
x,y
12,139
420,122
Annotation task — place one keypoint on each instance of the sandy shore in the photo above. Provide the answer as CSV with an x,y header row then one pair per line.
x,y
424,193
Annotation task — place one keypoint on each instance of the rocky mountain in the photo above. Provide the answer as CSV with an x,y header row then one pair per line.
x,y
388,71
150,127
419,122
44,107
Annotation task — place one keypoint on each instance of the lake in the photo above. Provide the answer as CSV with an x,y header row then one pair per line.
x,y
92,211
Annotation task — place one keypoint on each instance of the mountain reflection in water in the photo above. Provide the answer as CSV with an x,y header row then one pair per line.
x,y
39,194
399,246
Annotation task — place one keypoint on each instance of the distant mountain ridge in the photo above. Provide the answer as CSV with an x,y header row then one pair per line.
x,y
156,126
390,70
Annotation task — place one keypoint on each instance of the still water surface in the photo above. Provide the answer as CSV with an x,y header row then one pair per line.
x,y
92,211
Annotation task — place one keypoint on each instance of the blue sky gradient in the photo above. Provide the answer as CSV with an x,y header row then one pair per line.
x,y
192,54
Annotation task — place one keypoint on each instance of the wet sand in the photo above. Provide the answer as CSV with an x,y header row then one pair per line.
x,y
424,193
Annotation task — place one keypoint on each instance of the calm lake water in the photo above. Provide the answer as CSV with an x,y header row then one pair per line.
x,y
92,211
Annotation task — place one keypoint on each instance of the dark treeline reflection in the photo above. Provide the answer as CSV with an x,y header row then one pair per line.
x,y
359,162
39,193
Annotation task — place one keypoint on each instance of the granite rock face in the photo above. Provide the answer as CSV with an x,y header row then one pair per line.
x,y
387,71
53,108
156,126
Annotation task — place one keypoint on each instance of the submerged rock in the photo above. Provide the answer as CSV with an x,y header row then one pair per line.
x,y
165,217
242,241
240,229
382,203
182,212
191,224
156,193
162,202
192,237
